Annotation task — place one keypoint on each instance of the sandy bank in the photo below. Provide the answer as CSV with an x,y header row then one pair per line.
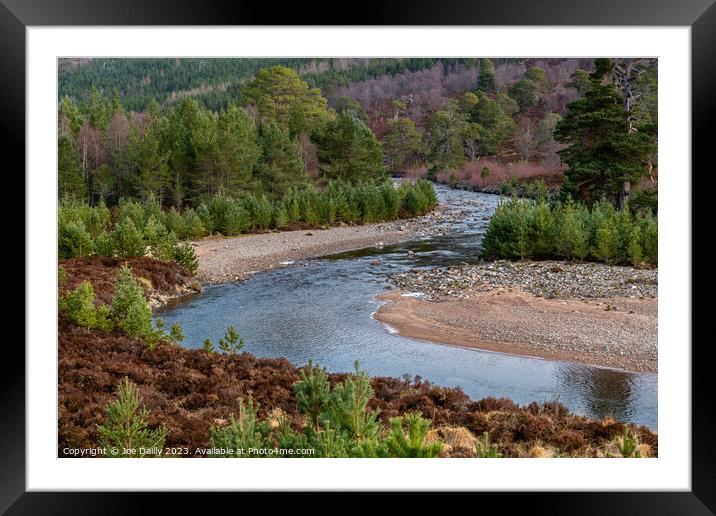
x,y
223,260
613,332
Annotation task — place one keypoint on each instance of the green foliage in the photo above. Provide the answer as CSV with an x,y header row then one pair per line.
x,y
493,123
312,392
628,445
580,81
346,410
130,309
402,143
602,152
126,432
538,76
521,229
208,346
127,239
524,93
443,140
73,239
413,444
418,198
349,150
184,254
572,239
242,433
486,450
232,342
280,95
78,305
175,333
339,423
71,181
486,76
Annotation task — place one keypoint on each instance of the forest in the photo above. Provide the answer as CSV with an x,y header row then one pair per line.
x,y
471,122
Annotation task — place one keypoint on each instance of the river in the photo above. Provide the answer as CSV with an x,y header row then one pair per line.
x,y
322,310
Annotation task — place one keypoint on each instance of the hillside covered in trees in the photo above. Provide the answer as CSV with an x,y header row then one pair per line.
x,y
184,129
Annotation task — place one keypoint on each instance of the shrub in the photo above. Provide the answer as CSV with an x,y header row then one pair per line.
x,y
127,430
175,333
346,410
280,216
649,235
127,239
312,392
130,309
486,450
628,446
104,245
73,239
572,236
412,444
78,305
522,228
242,433
193,227
184,254
258,210
431,198
132,210
232,341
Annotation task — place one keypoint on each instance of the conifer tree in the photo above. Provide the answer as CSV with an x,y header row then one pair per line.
x,y
486,77
601,152
349,150
280,166
126,432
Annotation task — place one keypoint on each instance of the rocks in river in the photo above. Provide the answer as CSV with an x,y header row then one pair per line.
x,y
411,253
376,262
547,279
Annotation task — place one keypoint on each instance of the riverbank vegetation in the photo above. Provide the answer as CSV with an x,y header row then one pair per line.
x,y
524,229
134,228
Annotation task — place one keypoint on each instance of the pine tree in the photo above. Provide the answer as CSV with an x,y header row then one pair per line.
x,y
486,77
130,308
401,143
242,433
71,183
349,150
280,166
601,152
412,444
126,432
312,392
232,342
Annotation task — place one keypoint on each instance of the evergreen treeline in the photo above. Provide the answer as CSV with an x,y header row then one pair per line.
x,y
216,82
138,80
285,137
524,229
133,227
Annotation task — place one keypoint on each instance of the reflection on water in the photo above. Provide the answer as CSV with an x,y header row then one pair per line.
x,y
321,310
606,392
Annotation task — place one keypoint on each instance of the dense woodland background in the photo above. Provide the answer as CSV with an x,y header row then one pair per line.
x,y
182,130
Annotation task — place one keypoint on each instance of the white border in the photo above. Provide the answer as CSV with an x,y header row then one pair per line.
x,y
670,471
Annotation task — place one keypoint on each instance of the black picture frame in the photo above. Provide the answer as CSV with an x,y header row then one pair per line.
x,y
700,15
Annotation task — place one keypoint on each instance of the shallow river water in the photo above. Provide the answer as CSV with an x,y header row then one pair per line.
x,y
322,310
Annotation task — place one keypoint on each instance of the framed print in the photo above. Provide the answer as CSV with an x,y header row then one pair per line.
x,y
393,250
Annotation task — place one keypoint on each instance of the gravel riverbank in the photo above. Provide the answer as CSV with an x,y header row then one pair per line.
x,y
222,260
590,313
